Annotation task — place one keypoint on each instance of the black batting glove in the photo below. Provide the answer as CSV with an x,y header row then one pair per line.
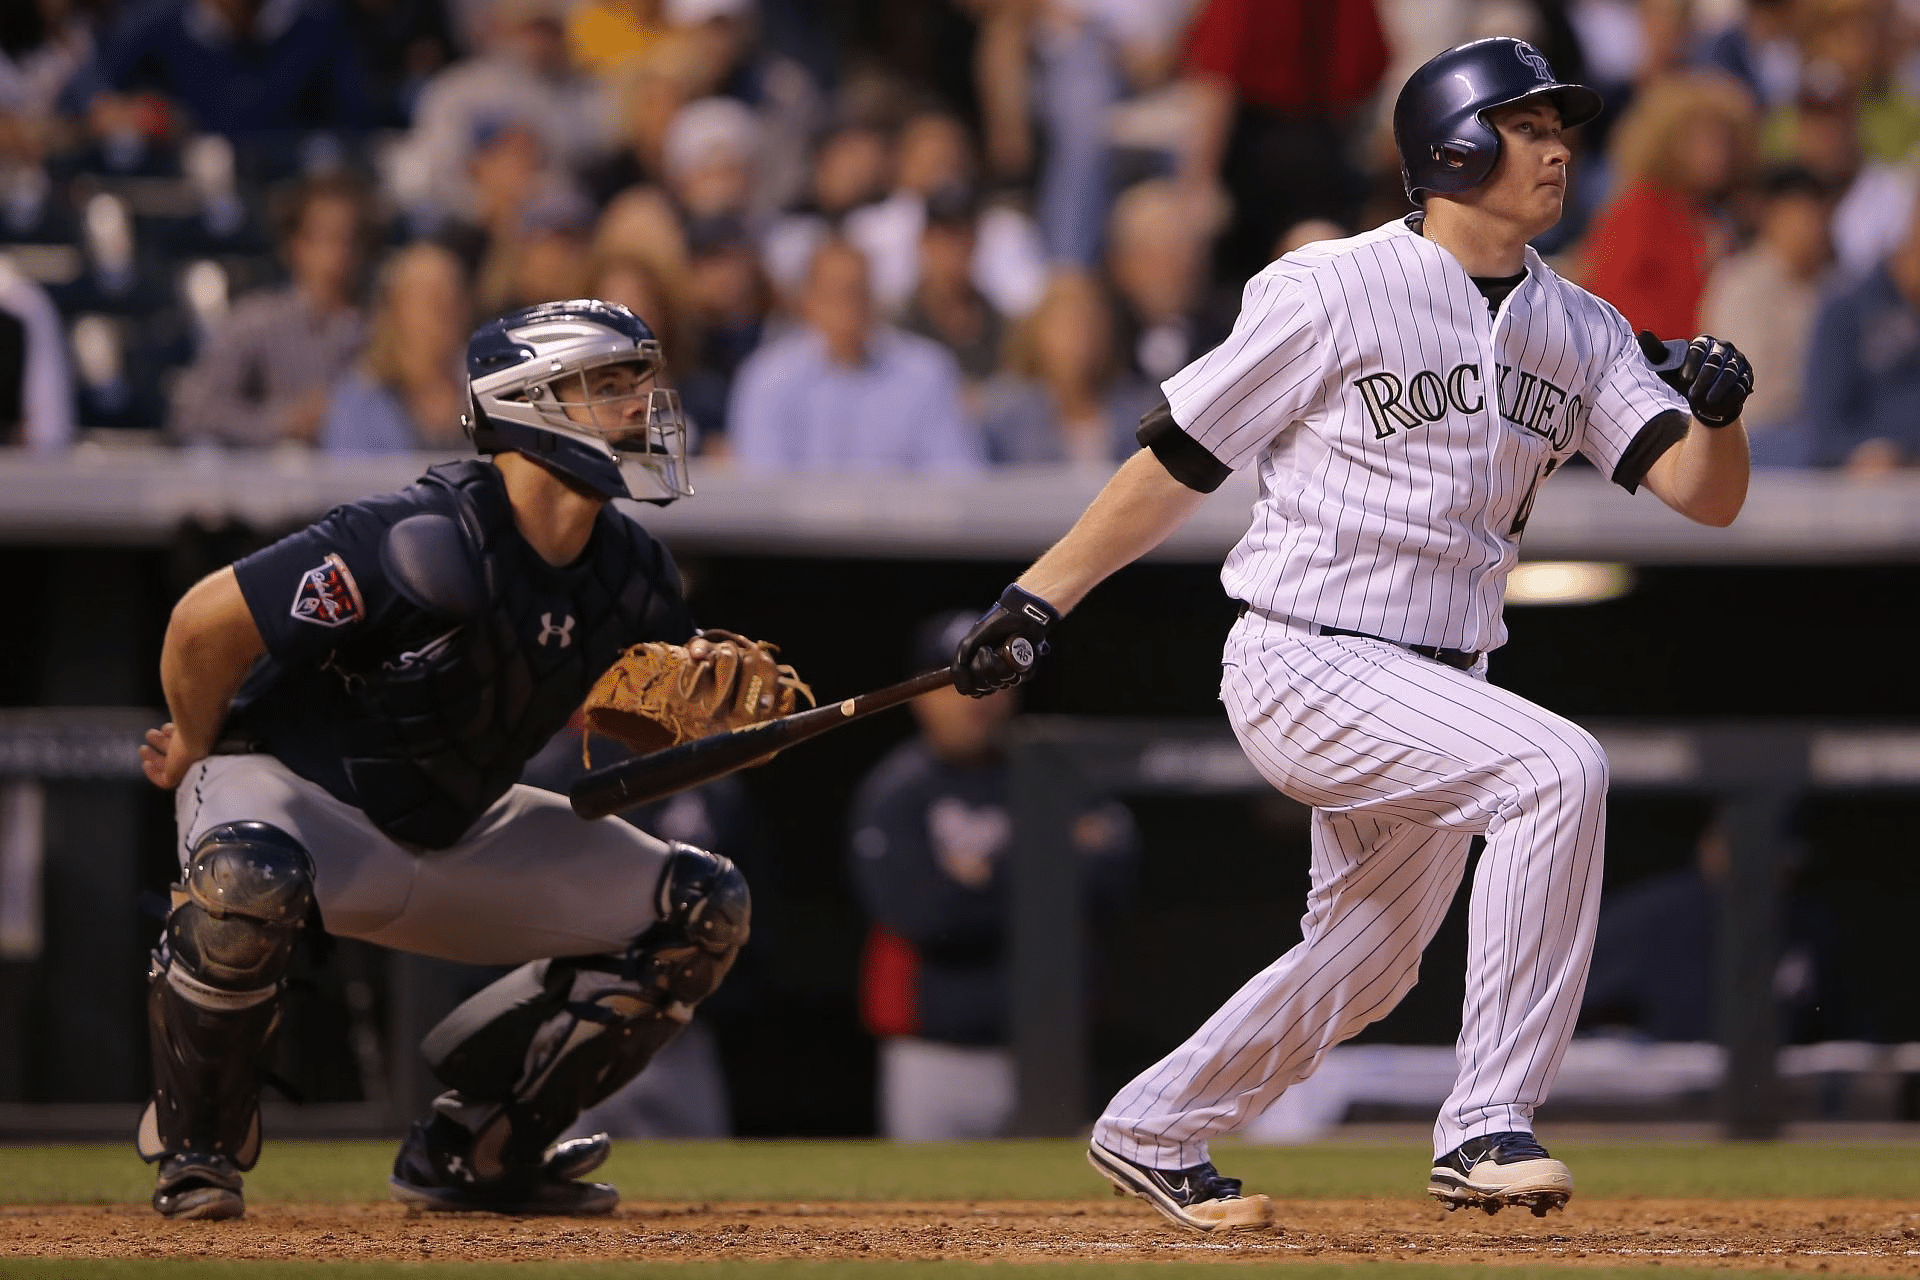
x,y
1711,373
1719,379
1003,648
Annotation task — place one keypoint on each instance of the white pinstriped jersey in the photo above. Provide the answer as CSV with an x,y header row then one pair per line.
x,y
1401,431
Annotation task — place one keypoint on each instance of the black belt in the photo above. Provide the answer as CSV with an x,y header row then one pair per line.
x,y
1462,659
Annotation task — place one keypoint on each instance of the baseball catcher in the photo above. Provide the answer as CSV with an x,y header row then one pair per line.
x,y
351,709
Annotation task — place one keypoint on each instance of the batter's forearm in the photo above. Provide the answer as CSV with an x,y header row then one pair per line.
x,y
1136,511
1707,477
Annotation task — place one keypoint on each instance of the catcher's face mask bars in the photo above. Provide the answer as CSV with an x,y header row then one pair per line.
x,y
618,401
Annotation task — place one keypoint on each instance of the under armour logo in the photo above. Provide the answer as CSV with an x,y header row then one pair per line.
x,y
1534,61
563,633
458,1168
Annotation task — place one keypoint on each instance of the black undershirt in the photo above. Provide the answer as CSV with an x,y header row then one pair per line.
x,y
1496,288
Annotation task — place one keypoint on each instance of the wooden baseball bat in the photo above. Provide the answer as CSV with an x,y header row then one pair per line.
x,y
635,782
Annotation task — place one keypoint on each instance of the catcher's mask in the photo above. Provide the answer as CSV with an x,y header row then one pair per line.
x,y
577,387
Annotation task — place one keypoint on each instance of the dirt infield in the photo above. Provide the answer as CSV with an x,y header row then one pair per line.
x,y
1857,1237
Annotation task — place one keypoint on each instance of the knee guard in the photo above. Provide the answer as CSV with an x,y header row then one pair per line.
x,y
524,1057
705,911
214,996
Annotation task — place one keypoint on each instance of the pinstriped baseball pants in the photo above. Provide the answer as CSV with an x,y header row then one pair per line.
x,y
1404,761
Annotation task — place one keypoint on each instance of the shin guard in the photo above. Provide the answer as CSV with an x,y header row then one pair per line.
x,y
525,1056
215,991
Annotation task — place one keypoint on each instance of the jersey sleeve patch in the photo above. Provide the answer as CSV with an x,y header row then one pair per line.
x,y
1185,458
328,596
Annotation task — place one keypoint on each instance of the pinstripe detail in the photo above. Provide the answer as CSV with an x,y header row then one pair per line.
x,y
1404,761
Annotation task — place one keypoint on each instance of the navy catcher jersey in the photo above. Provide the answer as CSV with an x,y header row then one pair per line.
x,y
419,651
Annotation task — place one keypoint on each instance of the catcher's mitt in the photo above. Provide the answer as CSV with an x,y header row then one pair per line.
x,y
657,695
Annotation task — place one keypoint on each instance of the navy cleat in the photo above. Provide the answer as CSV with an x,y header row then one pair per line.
x,y
191,1185
433,1172
1499,1169
577,1157
1197,1198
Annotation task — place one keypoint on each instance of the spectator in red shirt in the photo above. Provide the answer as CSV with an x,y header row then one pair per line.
x,y
1686,141
1280,83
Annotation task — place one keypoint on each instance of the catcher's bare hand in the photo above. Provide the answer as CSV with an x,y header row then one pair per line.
x,y
165,757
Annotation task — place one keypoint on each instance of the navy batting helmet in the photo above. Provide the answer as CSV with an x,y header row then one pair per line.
x,y
1440,120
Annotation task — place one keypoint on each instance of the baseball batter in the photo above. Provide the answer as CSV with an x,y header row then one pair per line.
x,y
1403,394
351,709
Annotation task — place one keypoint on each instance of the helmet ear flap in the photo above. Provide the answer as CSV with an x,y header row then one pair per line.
x,y
1450,167
479,430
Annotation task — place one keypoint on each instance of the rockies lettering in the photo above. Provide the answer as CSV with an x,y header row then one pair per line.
x,y
1528,401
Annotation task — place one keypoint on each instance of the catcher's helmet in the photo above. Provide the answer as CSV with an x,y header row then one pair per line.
x,y
1440,120
574,386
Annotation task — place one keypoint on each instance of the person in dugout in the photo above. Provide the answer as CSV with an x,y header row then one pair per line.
x,y
930,834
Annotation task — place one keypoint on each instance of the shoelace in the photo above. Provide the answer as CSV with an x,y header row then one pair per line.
x,y
1220,1188
1504,1148
1208,1184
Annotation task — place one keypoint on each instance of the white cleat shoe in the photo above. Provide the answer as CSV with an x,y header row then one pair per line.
x,y
1499,1169
1196,1198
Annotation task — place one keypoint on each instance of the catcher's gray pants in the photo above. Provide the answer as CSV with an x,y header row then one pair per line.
x,y
529,881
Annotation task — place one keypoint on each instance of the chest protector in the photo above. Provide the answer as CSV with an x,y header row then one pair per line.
x,y
491,650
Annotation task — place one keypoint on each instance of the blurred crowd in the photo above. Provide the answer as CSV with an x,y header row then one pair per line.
x,y
886,234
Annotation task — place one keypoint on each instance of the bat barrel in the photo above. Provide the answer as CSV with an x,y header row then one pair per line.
x,y
623,786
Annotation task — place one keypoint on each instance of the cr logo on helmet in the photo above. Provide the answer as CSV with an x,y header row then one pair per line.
x,y
1534,60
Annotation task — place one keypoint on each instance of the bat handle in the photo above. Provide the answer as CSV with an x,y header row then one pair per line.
x,y
1019,654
